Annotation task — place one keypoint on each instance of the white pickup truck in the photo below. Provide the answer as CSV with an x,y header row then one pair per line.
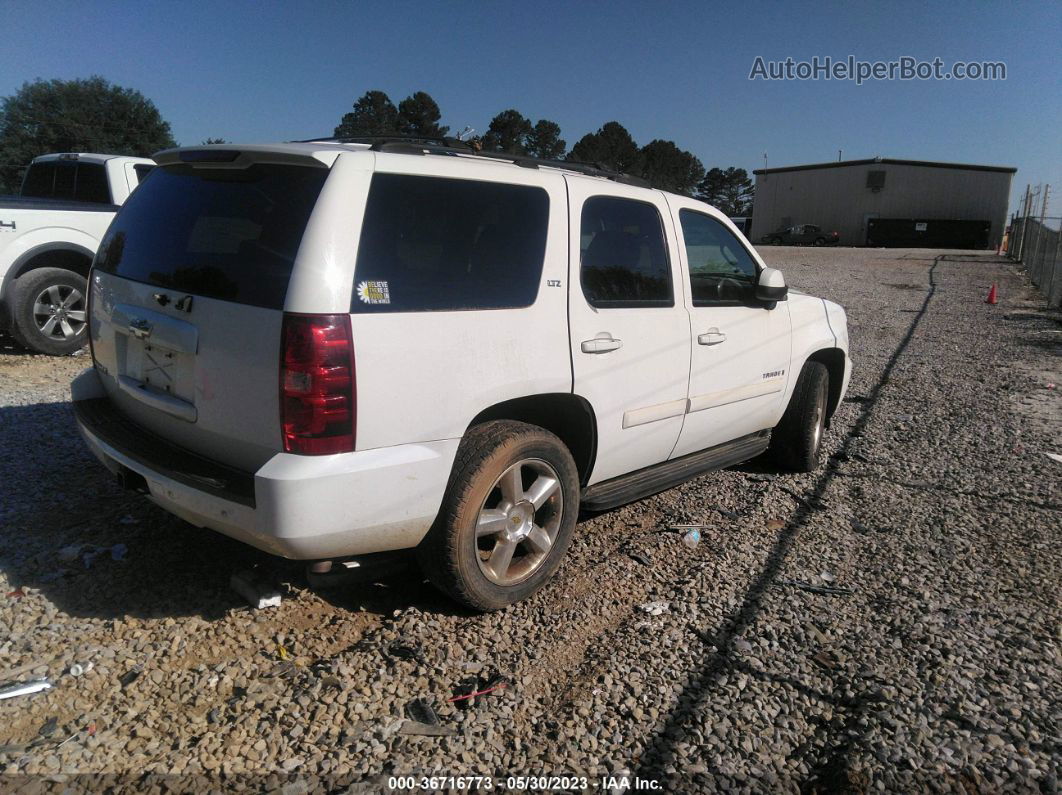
x,y
48,237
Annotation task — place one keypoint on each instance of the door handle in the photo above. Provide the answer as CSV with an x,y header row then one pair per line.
x,y
712,336
600,345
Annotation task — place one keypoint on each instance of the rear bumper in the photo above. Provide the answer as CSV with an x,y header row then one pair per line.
x,y
300,507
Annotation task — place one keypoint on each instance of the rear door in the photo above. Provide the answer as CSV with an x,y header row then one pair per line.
x,y
630,332
187,296
740,346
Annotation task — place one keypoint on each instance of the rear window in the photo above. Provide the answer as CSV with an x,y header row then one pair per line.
x,y
39,182
67,180
230,234
434,244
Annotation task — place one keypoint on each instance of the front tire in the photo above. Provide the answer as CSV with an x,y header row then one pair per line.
x,y
507,518
48,311
797,440
820,241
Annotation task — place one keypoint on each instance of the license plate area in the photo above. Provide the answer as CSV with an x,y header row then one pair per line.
x,y
160,369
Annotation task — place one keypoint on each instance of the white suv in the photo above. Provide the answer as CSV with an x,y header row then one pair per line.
x,y
329,349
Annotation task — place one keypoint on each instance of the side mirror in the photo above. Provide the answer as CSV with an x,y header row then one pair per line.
x,y
771,285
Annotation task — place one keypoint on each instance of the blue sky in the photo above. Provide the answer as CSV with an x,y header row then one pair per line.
x,y
269,71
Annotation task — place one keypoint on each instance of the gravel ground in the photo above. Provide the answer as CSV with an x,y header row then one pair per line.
x,y
888,623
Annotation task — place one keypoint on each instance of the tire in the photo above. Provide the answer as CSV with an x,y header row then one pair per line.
x,y
820,241
797,439
48,311
478,570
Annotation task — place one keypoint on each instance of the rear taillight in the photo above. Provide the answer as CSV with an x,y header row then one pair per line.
x,y
318,411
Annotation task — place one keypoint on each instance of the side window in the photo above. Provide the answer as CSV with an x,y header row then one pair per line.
x,y
142,170
721,269
435,244
92,184
623,254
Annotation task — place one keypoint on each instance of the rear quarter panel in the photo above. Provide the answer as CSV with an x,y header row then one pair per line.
x,y
423,376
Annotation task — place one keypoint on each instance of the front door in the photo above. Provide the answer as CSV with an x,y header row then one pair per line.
x,y
740,346
630,331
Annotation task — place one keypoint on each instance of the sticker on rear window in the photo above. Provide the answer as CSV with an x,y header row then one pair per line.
x,y
374,293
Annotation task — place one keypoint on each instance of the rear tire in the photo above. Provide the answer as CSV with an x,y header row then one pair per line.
x,y
820,241
797,439
48,311
507,517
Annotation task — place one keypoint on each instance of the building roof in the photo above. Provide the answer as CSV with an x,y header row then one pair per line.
x,y
876,161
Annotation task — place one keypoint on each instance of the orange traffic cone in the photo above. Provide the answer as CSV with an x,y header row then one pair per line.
x,y
992,296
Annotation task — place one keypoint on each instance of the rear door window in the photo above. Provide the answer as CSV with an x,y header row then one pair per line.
x,y
624,257
142,170
437,244
230,234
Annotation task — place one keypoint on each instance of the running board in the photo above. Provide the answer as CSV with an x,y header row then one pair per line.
x,y
667,474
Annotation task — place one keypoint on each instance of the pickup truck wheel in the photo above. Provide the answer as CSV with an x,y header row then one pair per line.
x,y
48,311
797,439
507,517
820,241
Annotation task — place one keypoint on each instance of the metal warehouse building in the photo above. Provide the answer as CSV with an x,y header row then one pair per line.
x,y
883,202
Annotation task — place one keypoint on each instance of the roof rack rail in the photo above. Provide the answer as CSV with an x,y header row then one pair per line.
x,y
420,144
377,142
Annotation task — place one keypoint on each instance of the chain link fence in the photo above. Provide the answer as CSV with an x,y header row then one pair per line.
x,y
1035,243
1034,239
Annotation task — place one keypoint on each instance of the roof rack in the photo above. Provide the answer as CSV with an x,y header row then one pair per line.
x,y
419,145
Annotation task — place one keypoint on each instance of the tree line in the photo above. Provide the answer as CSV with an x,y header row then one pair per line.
x,y
662,163
96,116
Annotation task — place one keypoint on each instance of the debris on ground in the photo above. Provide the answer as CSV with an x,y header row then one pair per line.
x,y
405,650
691,538
18,593
49,727
412,727
825,659
820,589
131,675
469,689
638,557
655,608
24,688
77,669
258,593
775,524
421,711
1054,457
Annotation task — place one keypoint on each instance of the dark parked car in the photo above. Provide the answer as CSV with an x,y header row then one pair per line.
x,y
802,235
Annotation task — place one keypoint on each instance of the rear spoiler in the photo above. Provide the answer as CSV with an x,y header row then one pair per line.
x,y
234,156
